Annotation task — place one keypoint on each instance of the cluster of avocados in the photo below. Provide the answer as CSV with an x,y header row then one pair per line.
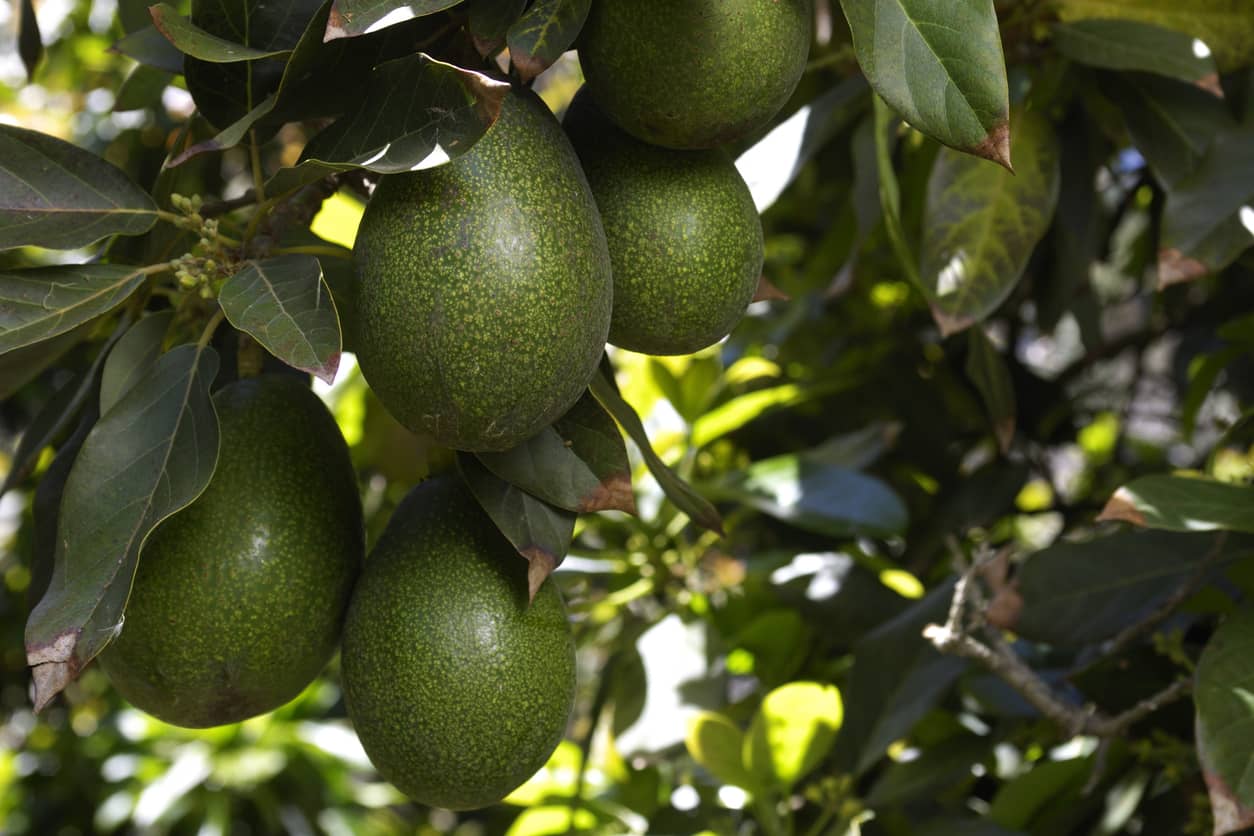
x,y
487,290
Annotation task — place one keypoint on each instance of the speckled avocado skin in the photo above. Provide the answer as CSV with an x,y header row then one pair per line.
x,y
694,73
458,690
484,287
239,598
685,238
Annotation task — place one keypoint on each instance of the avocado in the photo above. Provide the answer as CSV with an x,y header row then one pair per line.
x,y
684,236
484,286
694,73
239,598
459,691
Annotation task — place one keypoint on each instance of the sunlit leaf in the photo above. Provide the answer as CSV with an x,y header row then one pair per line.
x,y
1226,26
1183,503
54,194
541,35
191,40
285,304
793,730
981,224
1132,45
1225,721
717,744
156,450
350,18
940,66
44,302
735,413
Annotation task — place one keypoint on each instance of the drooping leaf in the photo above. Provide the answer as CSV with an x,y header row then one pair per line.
x,y
54,194
132,357
30,46
982,223
685,497
792,731
350,18
813,496
489,21
541,35
940,66
987,370
593,435
774,161
539,531
156,450
1076,594
1224,696
190,39
897,677
285,304
1183,503
1132,45
717,744
43,302
150,48
1226,26
415,113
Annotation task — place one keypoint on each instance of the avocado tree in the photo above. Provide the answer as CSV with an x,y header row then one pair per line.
x,y
833,418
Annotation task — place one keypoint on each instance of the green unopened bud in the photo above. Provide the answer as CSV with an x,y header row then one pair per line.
x,y
188,281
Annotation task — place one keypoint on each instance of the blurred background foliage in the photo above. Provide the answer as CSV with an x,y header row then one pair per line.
x,y
772,680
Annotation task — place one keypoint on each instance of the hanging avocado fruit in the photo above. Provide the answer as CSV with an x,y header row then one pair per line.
x,y
239,598
485,285
458,689
694,73
684,236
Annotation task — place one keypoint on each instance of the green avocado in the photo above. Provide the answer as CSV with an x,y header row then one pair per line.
x,y
694,73
685,238
484,286
459,691
239,598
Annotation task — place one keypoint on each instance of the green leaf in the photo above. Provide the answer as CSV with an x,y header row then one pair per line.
x,y
285,304
156,451
940,66
1226,26
982,223
1019,800
191,40
21,366
686,499
489,21
1077,594
350,18
416,112
936,768
1183,503
44,302
1132,45
541,35
539,531
793,730
46,507
142,88
884,131
834,501
987,370
733,414
54,194
1224,697
593,435
30,46
716,743
151,49
129,362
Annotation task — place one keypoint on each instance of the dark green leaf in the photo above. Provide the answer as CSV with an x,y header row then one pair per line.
x,y
54,194
285,304
686,499
132,357
834,501
191,40
350,18
489,21
982,223
43,302
897,677
1226,26
857,449
539,531
1183,503
1225,721
541,35
1076,594
936,768
19,367
142,88
156,451
46,507
591,432
150,48
987,370
1021,799
1131,45
731,415
890,190
940,66
30,45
